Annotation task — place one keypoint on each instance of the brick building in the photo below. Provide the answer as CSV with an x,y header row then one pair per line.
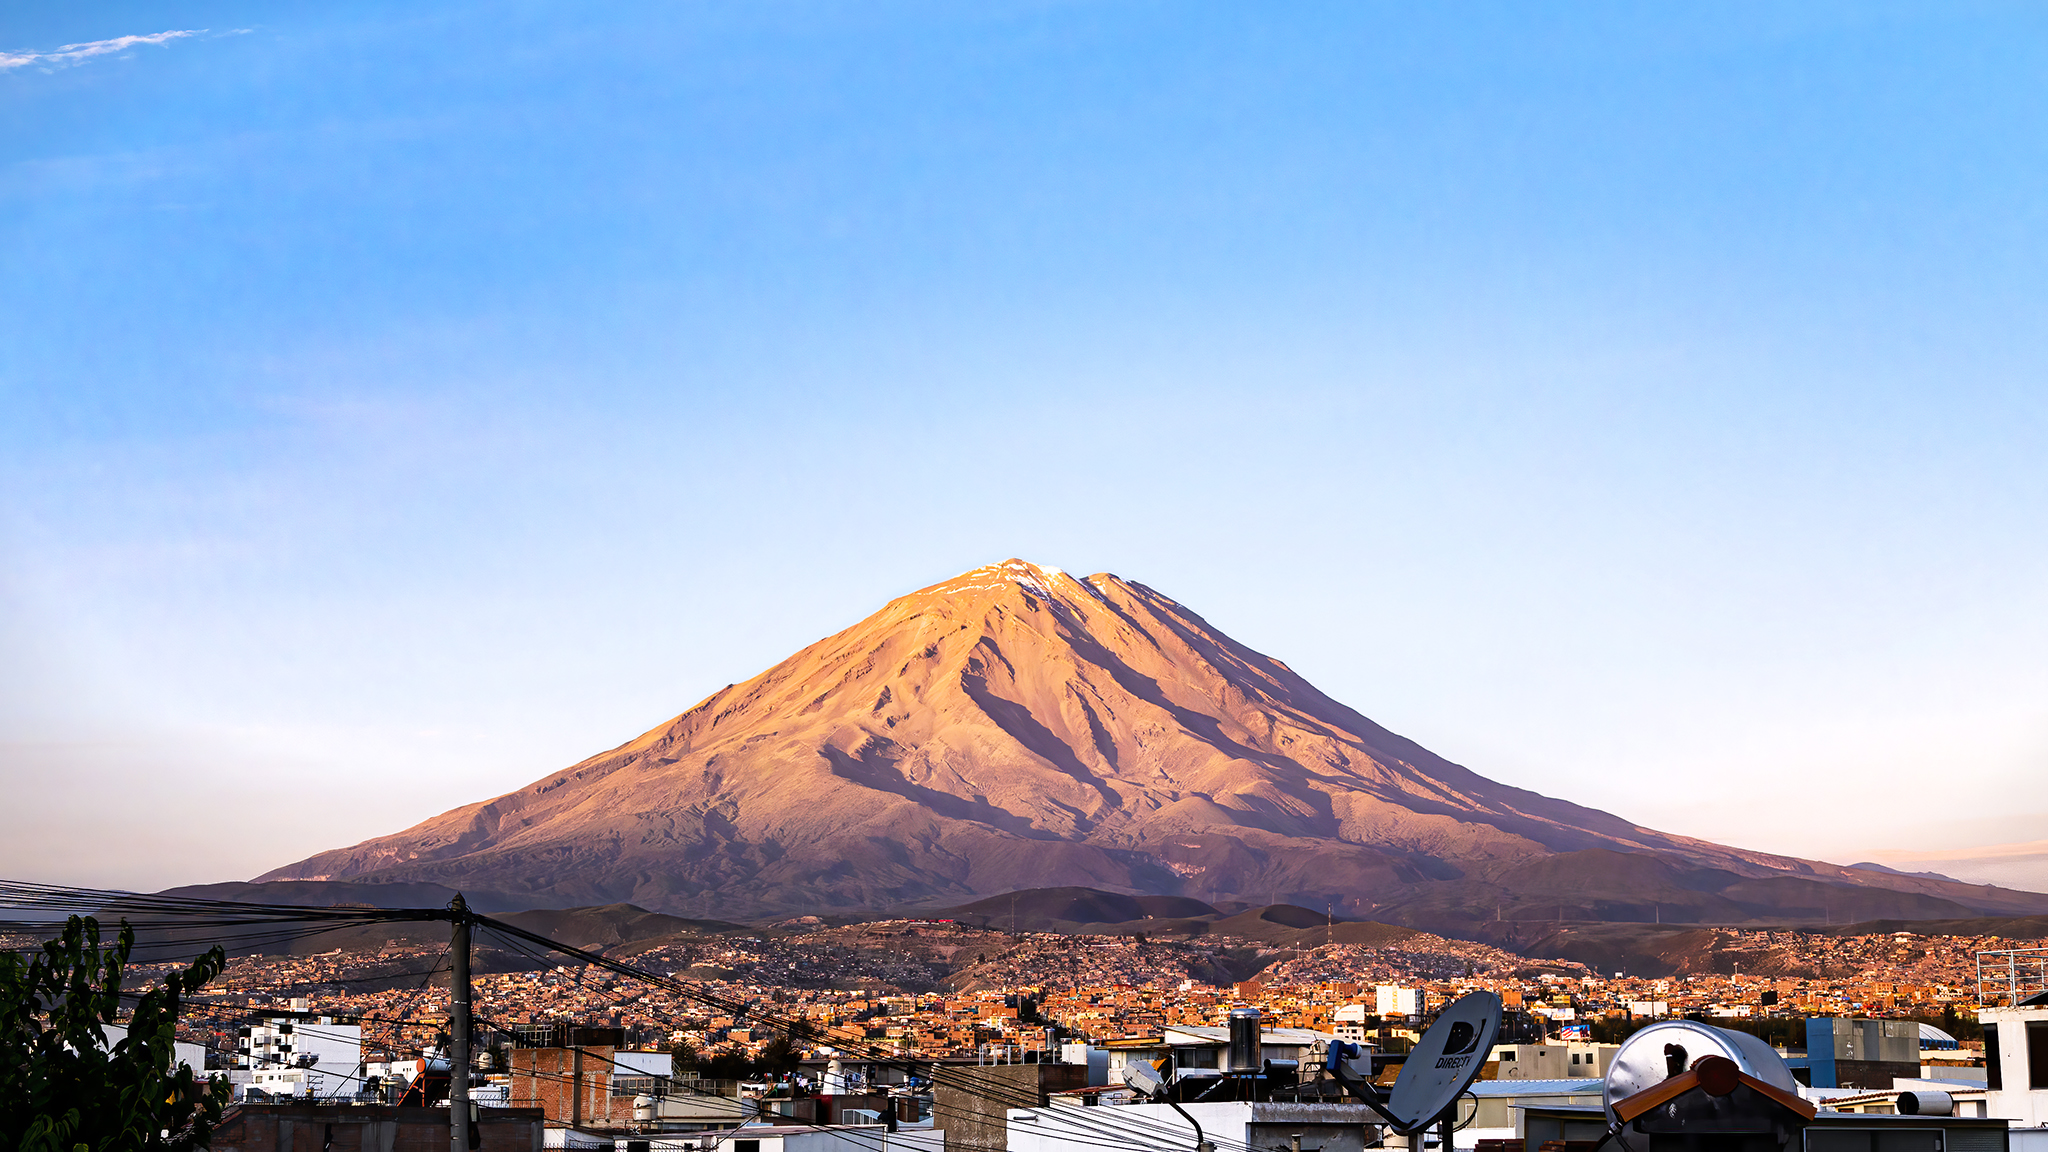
x,y
590,1085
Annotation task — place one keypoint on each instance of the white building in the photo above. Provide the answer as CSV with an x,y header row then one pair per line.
x,y
1390,1000
2016,1063
635,1072
1201,1048
292,1082
328,1050
1566,1060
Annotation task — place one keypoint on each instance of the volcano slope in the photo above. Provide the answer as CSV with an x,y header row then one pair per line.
x,y
1018,727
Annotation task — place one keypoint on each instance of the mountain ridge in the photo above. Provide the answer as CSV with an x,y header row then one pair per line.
x,y
1017,727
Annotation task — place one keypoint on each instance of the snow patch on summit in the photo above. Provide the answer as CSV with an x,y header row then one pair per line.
x,y
1008,574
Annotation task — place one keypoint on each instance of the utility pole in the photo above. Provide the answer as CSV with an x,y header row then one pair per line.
x,y
459,1027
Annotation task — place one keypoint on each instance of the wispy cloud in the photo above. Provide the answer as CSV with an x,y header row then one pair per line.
x,y
71,54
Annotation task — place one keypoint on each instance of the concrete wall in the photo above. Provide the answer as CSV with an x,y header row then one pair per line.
x,y
2022,1058
1065,1128
971,1121
367,1128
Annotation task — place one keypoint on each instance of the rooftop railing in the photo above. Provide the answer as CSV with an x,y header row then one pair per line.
x,y
2010,975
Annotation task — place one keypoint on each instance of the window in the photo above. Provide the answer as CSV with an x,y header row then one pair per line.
x,y
1507,1053
1994,1077
2037,1053
746,1146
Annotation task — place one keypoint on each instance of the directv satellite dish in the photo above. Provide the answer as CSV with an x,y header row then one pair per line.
x,y
1445,1062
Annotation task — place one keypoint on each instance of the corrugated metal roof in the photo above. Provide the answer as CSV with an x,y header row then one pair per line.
x,y
1932,1037
1537,1087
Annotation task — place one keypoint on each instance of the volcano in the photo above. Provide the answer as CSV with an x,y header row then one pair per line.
x,y
1018,727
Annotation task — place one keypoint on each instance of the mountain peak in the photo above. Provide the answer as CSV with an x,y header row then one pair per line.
x,y
1011,573
1012,727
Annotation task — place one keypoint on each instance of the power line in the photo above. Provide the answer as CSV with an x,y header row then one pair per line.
x,y
195,918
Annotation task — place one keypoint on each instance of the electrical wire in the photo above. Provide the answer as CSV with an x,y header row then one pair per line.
x,y
266,925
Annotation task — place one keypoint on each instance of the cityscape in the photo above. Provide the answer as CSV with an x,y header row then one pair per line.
x,y
1024,576
898,989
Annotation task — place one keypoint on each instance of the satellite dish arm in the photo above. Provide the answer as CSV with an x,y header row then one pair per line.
x,y
1361,1090
1201,1143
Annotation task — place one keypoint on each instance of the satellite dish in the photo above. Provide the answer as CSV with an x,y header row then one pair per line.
x,y
1445,1061
1145,1078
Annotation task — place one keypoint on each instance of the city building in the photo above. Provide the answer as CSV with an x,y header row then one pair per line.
x,y
2016,1061
589,1084
1391,1000
1201,1047
1569,1060
1847,1052
301,1053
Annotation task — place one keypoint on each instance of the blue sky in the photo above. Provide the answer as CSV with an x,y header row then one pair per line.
x,y
1640,403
